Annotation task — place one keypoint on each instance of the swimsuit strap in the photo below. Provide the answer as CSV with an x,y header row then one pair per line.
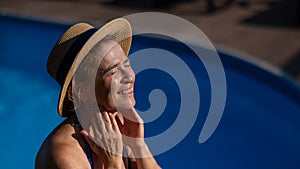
x,y
87,149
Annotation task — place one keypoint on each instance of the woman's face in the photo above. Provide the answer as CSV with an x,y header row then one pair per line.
x,y
115,80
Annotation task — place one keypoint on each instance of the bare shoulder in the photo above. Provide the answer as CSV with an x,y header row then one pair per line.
x,y
61,149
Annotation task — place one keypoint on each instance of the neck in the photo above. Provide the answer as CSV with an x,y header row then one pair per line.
x,y
102,108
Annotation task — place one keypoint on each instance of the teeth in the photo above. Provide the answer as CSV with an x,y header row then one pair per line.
x,y
126,91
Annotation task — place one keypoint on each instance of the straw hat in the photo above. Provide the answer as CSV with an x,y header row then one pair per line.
x,y
75,43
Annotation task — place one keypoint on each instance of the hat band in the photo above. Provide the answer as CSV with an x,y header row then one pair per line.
x,y
70,56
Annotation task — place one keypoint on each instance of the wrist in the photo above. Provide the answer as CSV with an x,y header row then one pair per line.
x,y
116,163
141,150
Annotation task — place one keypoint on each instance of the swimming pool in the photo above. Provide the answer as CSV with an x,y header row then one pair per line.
x,y
259,129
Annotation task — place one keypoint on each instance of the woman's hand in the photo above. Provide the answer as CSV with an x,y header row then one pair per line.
x,y
110,140
131,127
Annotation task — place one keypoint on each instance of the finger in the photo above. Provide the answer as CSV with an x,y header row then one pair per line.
x,y
106,117
105,114
86,137
84,133
120,124
114,122
136,116
93,145
132,117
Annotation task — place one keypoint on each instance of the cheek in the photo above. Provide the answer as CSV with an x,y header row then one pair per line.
x,y
110,89
114,85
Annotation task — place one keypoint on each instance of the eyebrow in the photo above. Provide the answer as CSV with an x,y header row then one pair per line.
x,y
113,66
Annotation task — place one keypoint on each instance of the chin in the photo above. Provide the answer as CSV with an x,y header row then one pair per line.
x,y
125,104
124,107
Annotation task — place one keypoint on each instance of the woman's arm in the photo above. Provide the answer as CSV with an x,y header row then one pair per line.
x,y
144,158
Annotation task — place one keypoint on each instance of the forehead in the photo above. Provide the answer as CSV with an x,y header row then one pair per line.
x,y
113,54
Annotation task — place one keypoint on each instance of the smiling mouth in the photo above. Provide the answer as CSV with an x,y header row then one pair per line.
x,y
126,92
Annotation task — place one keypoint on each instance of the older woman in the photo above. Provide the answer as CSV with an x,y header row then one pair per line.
x,y
102,128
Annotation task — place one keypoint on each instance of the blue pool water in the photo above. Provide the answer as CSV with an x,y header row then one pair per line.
x,y
259,129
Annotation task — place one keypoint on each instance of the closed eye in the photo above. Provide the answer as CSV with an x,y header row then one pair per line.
x,y
114,68
111,70
126,63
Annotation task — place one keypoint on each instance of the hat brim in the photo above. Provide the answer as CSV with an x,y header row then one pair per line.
x,y
119,28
